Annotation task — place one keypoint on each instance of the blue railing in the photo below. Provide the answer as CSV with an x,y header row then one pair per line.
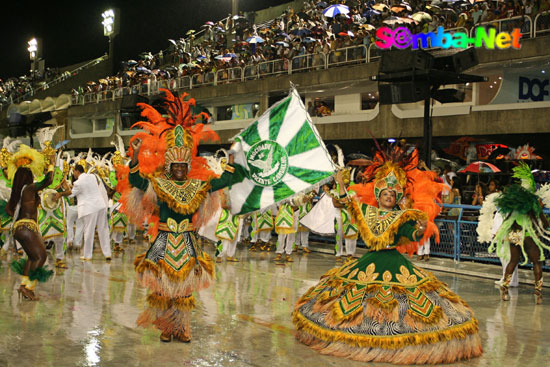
x,y
457,237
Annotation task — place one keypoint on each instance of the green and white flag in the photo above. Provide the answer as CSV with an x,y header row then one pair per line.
x,y
278,156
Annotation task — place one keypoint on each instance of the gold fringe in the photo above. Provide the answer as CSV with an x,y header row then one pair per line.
x,y
388,237
184,303
434,317
141,264
284,230
386,306
453,297
173,204
384,342
206,262
338,315
158,301
177,275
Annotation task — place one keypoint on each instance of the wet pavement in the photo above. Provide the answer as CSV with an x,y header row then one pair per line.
x,y
86,317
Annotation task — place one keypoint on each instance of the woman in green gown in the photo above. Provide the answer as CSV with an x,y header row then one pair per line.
x,y
381,307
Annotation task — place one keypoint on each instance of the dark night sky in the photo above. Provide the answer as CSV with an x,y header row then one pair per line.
x,y
71,31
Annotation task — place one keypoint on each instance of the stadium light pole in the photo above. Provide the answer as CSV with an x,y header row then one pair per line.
x,y
235,7
33,53
110,27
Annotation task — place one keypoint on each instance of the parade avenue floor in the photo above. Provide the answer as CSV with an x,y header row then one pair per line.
x,y
87,317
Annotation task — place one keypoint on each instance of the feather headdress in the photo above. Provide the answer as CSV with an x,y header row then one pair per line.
x,y
523,172
46,135
26,157
120,152
174,138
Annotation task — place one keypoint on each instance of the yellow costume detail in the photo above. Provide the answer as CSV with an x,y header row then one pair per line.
x,y
30,224
183,198
377,233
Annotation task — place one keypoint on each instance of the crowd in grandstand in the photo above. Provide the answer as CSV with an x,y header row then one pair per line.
x,y
237,42
13,88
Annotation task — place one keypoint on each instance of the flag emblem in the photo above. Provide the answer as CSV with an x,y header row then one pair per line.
x,y
268,162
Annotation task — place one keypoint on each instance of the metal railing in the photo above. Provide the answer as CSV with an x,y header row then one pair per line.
x,y
457,237
347,56
541,24
523,22
317,61
60,79
229,75
273,67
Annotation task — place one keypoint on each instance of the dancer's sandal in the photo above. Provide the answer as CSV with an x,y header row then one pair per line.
x,y
504,294
538,292
27,293
165,338
60,264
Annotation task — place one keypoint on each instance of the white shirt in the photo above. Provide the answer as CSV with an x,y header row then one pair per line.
x,y
88,192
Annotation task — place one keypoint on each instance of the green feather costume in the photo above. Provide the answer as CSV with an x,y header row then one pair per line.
x,y
519,204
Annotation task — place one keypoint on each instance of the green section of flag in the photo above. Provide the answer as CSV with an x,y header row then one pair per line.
x,y
276,118
281,191
250,135
252,202
308,175
303,141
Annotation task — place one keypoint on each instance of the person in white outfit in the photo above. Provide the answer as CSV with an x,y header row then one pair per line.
x,y
424,250
74,238
92,202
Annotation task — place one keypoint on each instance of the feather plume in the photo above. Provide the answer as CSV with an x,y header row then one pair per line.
x,y
523,173
46,134
13,146
486,217
544,194
6,142
119,145
340,156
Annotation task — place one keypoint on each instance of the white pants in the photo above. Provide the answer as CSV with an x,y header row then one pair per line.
x,y
228,248
346,246
7,241
92,222
246,232
59,242
264,236
117,237
131,231
72,220
424,249
302,239
285,243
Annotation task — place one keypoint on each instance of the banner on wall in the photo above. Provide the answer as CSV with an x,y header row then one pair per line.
x,y
520,85
241,111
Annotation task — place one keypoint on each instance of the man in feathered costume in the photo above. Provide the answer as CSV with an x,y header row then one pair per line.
x,y
381,307
524,226
167,184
